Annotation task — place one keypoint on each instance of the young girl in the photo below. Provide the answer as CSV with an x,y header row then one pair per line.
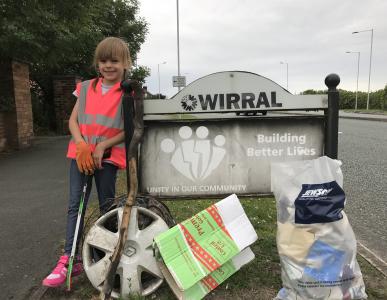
x,y
96,125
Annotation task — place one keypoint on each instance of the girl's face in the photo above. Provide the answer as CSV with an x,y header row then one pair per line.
x,y
112,70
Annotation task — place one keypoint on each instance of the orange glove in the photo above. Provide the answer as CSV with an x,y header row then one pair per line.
x,y
84,159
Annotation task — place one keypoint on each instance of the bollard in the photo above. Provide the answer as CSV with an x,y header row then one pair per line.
x,y
332,116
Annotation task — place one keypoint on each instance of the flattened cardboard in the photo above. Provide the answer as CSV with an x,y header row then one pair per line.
x,y
200,245
207,284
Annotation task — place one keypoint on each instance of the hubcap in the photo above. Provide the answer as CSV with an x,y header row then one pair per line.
x,y
137,271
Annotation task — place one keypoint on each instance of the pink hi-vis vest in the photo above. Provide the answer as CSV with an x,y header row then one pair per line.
x,y
100,118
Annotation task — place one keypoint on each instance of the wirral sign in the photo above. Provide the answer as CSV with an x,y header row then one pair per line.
x,y
201,143
233,92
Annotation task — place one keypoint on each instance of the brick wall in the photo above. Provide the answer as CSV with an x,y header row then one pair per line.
x,y
64,100
22,95
16,124
3,139
7,107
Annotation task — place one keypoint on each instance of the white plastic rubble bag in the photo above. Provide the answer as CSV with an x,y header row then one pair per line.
x,y
316,244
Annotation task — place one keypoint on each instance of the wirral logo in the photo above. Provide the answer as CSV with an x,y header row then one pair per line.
x,y
189,102
195,156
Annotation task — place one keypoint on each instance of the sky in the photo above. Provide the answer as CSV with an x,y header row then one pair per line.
x,y
312,37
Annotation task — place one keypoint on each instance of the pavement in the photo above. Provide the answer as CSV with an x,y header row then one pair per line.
x,y
34,188
363,116
343,114
33,199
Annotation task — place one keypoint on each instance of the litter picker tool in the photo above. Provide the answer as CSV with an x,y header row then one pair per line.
x,y
87,181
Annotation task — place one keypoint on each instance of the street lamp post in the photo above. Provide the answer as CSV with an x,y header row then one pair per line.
x,y
158,74
357,80
369,73
287,73
178,44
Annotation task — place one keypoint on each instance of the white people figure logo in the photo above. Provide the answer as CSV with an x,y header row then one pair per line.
x,y
195,157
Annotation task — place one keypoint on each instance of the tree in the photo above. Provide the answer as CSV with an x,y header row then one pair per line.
x,y
140,73
347,98
59,37
313,92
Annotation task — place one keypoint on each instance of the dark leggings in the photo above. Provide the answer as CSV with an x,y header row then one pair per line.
x,y
105,181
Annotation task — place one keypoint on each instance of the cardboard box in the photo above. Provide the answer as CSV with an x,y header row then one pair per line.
x,y
197,247
207,284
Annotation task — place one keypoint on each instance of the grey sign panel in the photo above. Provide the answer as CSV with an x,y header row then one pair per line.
x,y
233,91
214,157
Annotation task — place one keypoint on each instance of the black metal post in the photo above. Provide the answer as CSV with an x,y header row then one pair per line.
x,y
332,116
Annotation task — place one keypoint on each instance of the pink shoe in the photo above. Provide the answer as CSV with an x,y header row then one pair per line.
x,y
58,275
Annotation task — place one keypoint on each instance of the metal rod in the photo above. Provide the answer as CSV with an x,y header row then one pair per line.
x,y
357,77
178,44
369,74
357,80
158,75
287,74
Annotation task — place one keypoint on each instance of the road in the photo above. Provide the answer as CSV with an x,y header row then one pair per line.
x,y
33,199
363,150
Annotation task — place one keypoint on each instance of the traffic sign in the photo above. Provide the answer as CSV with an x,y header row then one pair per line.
x,y
178,81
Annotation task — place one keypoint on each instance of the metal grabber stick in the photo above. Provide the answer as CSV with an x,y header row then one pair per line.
x,y
87,182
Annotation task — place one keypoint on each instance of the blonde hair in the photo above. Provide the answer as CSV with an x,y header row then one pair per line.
x,y
112,47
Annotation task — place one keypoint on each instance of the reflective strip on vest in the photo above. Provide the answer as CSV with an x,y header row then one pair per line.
x,y
102,120
97,139
82,102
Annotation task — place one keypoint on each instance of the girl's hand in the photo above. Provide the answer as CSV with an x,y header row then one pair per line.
x,y
98,155
84,159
